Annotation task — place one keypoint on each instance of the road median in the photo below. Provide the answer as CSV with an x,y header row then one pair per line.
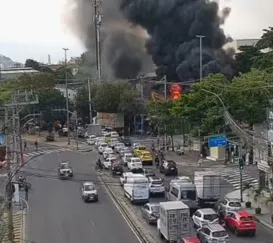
x,y
137,224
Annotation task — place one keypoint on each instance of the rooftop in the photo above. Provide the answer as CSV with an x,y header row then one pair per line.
x,y
207,211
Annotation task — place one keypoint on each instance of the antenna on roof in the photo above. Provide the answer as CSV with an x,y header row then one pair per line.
x,y
48,59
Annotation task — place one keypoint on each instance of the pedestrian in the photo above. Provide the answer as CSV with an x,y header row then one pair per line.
x,y
26,192
25,145
36,145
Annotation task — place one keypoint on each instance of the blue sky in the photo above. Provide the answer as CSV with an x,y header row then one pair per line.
x,y
36,28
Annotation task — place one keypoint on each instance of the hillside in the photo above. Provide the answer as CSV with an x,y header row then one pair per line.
x,y
6,62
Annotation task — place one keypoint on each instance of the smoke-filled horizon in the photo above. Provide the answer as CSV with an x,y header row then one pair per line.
x,y
172,26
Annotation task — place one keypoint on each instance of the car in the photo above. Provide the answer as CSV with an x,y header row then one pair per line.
x,y
124,150
102,147
127,141
168,167
126,158
89,192
184,179
116,168
148,172
135,145
146,157
114,134
190,239
135,165
150,212
98,141
240,222
123,177
112,155
205,216
91,139
65,171
119,146
106,152
108,162
230,204
156,185
212,233
138,149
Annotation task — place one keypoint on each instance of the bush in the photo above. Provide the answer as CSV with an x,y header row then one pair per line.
x,y
50,138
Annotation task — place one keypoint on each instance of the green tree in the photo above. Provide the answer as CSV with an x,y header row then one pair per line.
x,y
36,82
266,40
202,109
61,72
264,62
246,58
248,96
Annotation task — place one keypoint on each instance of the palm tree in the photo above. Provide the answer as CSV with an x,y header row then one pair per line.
x,y
257,197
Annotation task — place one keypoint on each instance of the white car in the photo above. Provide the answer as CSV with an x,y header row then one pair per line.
x,y
113,142
205,216
112,155
102,147
89,192
106,152
119,146
124,150
135,145
91,139
123,177
156,186
98,141
135,164
126,158
230,204
114,134
108,162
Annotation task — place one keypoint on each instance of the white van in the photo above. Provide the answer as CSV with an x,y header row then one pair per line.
x,y
136,188
114,134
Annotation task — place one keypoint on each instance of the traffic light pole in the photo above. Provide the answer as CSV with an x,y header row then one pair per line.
x,y
241,166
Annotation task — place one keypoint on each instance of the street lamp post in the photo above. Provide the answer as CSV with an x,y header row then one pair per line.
x,y
201,57
66,94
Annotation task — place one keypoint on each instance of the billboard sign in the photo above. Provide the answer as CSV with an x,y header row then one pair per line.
x,y
114,120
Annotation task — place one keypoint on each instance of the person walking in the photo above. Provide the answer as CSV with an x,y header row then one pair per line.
x,y
25,144
36,145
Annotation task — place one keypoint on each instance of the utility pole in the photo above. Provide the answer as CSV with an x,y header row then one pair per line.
x,y
201,55
142,98
241,167
9,188
97,22
90,102
165,98
66,94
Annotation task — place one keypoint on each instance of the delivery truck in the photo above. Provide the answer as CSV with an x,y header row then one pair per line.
x,y
208,187
174,221
93,129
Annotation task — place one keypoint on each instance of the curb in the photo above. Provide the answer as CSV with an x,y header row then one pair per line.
x,y
125,212
263,223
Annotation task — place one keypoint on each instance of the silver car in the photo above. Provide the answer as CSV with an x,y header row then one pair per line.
x,y
150,212
212,233
230,204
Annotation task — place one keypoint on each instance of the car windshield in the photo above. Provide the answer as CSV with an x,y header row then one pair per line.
x,y
64,166
188,194
159,182
248,218
235,204
141,148
136,161
219,234
103,145
210,217
89,187
128,156
155,209
171,164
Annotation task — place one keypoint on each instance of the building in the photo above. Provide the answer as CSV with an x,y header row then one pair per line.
x,y
70,65
11,73
71,93
236,44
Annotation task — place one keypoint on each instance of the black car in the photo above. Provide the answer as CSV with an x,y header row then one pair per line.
x,y
127,142
168,167
116,169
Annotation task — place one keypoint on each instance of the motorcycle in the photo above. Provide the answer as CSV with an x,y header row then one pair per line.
x,y
24,185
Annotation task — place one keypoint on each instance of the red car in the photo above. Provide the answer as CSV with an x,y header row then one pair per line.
x,y
240,222
191,239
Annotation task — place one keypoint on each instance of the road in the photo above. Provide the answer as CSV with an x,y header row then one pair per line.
x,y
263,235
57,212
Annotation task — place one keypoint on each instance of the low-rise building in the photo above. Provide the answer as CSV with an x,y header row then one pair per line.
x,y
71,93
11,73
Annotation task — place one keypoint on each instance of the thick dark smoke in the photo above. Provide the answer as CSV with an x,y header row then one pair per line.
x,y
173,26
123,44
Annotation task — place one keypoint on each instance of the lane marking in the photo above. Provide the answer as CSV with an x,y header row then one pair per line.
x,y
120,211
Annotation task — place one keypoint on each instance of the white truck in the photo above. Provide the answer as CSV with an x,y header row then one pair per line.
x,y
136,188
174,221
208,186
93,129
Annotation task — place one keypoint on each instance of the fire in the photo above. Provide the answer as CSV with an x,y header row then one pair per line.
x,y
175,91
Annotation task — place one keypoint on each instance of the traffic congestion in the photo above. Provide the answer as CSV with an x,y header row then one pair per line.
x,y
182,203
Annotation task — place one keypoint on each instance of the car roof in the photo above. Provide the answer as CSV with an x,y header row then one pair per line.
x,y
88,183
191,239
135,158
155,178
215,227
127,154
206,211
152,204
233,199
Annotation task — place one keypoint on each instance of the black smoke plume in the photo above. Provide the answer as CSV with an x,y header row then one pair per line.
x,y
123,49
173,26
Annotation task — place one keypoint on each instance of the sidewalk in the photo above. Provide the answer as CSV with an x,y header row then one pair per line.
x,y
265,217
19,227
59,142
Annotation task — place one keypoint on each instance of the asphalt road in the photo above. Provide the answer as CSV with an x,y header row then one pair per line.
x,y
263,235
57,212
